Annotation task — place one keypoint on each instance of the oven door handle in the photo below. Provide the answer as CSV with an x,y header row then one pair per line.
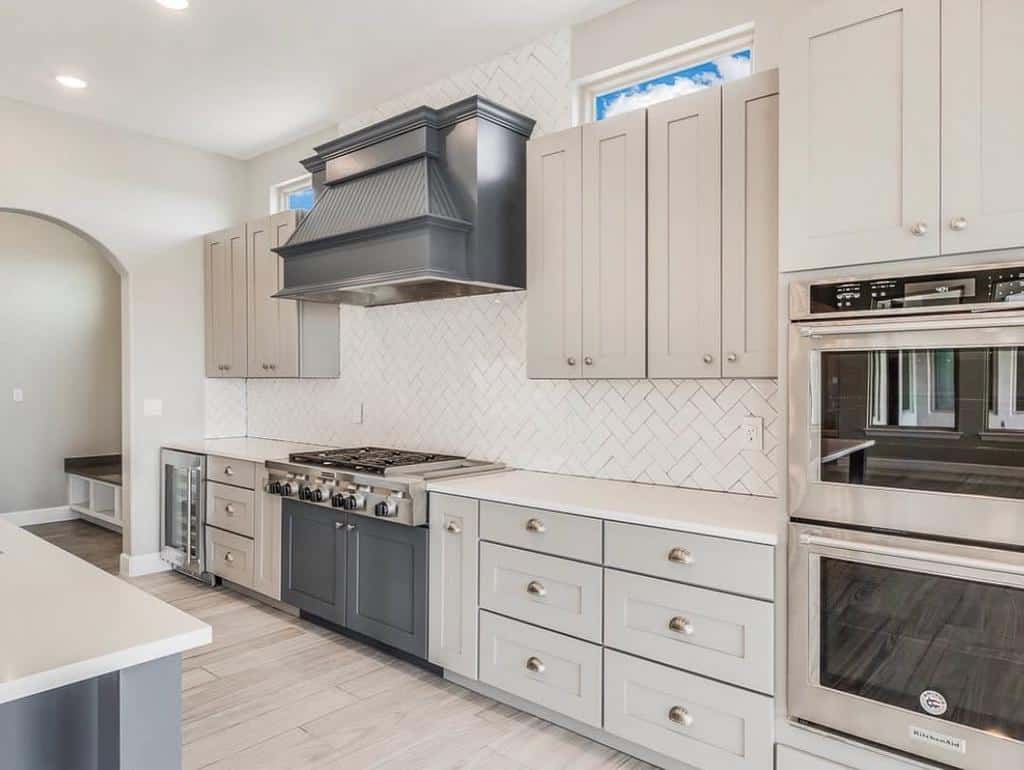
x,y
912,553
950,324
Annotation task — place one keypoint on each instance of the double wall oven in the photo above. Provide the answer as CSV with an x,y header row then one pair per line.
x,y
906,454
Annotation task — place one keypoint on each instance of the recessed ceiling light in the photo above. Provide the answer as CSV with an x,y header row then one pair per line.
x,y
70,81
174,5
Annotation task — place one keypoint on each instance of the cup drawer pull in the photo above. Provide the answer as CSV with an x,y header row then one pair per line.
x,y
680,716
680,556
535,525
229,471
229,509
681,625
536,588
535,664
229,557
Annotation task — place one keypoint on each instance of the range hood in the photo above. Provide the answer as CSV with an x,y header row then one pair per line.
x,y
426,205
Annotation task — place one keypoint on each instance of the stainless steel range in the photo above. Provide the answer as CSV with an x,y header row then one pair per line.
x,y
383,483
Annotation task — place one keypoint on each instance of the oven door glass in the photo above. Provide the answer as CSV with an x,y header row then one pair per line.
x,y
935,420
933,644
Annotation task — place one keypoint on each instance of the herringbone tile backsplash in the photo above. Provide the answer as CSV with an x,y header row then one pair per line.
x,y
450,375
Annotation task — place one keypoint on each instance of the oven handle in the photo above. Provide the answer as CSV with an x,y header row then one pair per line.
x,y
911,553
950,324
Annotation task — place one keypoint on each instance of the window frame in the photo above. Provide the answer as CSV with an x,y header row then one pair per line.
x,y
279,192
586,90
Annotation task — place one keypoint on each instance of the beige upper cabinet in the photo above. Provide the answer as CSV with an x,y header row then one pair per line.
x,y
553,267
684,260
750,225
273,323
614,247
224,266
982,125
860,133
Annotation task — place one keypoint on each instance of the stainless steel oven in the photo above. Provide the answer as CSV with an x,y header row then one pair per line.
x,y
906,467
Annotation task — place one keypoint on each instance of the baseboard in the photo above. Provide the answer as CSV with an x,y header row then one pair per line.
x,y
143,564
40,516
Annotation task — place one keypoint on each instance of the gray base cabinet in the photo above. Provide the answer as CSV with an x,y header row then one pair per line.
x,y
313,560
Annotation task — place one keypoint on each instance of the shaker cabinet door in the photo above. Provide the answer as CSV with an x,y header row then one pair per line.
x,y
750,225
614,216
982,125
273,323
224,268
313,553
267,536
684,286
454,571
860,134
553,253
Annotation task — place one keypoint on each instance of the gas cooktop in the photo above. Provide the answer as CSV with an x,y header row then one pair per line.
x,y
377,460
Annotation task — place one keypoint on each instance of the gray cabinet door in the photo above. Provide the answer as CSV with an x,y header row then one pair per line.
x,y
313,558
387,583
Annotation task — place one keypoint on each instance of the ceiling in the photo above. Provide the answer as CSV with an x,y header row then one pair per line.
x,y
240,77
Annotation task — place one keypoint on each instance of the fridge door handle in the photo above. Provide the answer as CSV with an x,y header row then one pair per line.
x,y
188,518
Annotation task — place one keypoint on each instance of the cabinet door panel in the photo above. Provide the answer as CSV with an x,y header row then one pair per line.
x,y
454,578
282,225
553,278
273,323
614,247
982,125
684,224
267,529
313,560
750,225
860,134
225,292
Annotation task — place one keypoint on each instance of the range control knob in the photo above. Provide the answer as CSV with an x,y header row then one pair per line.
x,y
353,502
316,495
338,500
386,509
286,489
274,487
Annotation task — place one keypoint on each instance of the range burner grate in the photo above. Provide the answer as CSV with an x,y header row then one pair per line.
x,y
376,460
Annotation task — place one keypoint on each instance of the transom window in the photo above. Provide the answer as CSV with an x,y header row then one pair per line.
x,y
293,195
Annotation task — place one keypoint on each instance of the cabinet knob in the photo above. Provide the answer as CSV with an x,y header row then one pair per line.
x,y
732,358
273,367
588,361
229,471
266,367
708,358
229,557
958,224
229,509
681,625
350,527
452,527
536,588
919,228
338,525
535,525
571,361
680,716
535,664
680,556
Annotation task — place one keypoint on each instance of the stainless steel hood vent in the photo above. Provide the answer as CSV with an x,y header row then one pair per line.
x,y
426,205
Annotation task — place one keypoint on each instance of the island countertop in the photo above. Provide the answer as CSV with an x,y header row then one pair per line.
x,y
66,621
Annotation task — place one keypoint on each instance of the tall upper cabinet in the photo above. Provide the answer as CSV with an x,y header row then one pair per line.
x,y
586,213
266,337
900,134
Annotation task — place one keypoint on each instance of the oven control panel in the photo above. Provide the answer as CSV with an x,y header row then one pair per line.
x,y
982,286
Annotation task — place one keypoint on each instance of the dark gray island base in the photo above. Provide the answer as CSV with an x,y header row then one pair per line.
x,y
125,720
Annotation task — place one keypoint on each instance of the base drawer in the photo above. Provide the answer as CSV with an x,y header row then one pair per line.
x,y
695,720
560,534
550,669
240,473
230,508
707,632
230,556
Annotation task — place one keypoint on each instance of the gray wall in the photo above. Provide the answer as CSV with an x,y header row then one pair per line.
x,y
60,330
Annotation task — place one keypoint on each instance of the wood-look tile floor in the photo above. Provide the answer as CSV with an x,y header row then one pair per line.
x,y
274,692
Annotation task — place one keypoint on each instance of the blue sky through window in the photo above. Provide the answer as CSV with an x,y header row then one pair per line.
x,y
677,83
300,200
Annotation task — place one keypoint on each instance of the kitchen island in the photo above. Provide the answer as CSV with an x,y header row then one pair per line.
x,y
90,666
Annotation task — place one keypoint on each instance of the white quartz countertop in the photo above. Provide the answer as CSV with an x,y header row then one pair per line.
x,y
721,514
65,620
257,450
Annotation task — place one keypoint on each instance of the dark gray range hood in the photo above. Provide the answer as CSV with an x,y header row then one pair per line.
x,y
425,205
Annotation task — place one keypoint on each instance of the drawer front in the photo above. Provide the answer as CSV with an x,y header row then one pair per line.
x,y
713,562
230,508
718,635
239,473
229,556
549,669
561,534
695,720
554,593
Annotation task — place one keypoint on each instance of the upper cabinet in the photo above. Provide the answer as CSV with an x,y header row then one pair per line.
x,y
248,332
652,240
586,274
900,137
225,299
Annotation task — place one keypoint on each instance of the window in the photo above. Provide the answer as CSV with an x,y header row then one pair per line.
x,y
293,195
682,70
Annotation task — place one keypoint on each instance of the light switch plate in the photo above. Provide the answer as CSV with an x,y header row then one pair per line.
x,y
19,395
753,433
152,407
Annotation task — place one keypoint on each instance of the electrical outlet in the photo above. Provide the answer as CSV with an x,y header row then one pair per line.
x,y
753,433
19,395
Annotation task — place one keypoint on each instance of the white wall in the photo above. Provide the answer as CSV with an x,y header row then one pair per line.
x,y
147,202
271,168
60,332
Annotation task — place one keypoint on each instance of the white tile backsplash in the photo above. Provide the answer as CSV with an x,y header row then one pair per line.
x,y
450,375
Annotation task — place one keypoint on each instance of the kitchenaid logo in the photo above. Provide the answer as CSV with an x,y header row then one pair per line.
x,y
942,741
934,703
